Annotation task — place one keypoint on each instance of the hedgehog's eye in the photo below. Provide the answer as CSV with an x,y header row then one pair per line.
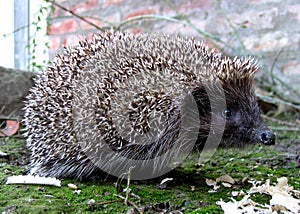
x,y
226,113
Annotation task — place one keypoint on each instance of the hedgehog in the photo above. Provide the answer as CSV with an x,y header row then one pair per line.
x,y
141,102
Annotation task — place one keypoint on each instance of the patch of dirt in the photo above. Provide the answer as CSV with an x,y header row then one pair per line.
x,y
291,149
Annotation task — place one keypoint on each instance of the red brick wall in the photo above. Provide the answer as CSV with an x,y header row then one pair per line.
x,y
109,13
257,27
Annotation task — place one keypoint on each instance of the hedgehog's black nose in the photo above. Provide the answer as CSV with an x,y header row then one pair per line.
x,y
267,137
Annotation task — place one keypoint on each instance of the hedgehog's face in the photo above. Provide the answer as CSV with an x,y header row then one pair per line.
x,y
244,124
241,116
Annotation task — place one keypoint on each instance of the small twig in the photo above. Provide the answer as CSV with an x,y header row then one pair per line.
x,y
2,109
109,25
131,203
279,92
74,14
276,101
103,203
275,60
206,35
135,196
284,128
128,193
100,19
281,122
69,205
233,28
275,78
15,31
142,17
127,189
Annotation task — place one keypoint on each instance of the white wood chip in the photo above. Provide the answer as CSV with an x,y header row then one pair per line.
x,y
288,202
29,179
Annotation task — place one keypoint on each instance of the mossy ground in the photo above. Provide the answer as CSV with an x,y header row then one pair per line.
x,y
188,193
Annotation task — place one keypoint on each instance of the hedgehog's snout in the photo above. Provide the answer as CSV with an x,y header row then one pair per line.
x,y
267,137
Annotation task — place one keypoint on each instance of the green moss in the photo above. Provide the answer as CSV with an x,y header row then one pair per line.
x,y
190,196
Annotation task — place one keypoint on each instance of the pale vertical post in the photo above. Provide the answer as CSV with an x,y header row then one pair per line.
x,y
21,36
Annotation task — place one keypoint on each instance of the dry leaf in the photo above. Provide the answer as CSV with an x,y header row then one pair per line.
x,y
225,178
10,129
238,193
288,202
226,185
282,200
210,182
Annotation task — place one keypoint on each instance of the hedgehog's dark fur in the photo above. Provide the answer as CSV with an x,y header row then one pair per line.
x,y
122,90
